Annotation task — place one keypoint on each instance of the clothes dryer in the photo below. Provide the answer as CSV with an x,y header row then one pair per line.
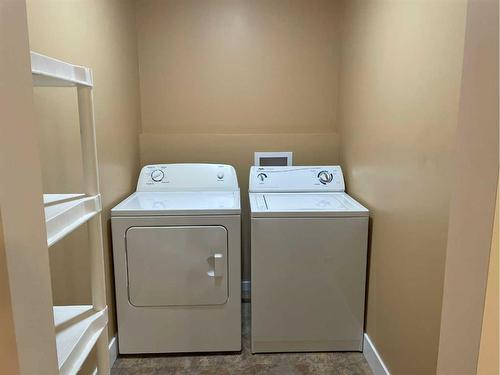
x,y
176,247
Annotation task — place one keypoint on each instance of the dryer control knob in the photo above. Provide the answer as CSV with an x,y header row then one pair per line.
x,y
325,177
157,175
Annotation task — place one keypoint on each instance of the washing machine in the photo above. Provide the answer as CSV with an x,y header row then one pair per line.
x,y
308,261
176,252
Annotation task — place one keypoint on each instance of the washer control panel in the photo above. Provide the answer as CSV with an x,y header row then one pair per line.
x,y
296,179
187,177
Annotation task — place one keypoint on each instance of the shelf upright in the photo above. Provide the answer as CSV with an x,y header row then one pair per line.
x,y
78,328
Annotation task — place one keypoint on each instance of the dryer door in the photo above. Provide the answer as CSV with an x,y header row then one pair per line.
x,y
177,265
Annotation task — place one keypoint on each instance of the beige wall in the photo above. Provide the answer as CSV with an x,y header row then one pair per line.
x,y
489,346
8,349
401,64
222,79
236,66
472,206
99,34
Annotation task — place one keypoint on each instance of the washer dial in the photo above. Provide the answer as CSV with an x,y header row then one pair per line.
x,y
157,175
325,177
262,176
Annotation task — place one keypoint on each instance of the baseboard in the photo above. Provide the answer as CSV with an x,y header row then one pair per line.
x,y
373,358
113,351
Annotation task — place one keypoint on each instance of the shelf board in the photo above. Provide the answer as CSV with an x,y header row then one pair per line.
x,y
49,72
77,330
50,199
66,212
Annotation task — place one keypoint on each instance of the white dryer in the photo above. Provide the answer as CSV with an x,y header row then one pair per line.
x,y
308,252
176,247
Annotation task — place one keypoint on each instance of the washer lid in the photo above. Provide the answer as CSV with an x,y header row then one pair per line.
x,y
305,204
179,203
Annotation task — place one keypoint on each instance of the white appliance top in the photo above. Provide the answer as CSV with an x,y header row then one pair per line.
x,y
179,203
301,191
296,179
183,189
305,204
187,177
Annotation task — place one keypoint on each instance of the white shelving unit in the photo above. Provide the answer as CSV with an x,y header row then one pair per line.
x,y
78,328
51,72
66,212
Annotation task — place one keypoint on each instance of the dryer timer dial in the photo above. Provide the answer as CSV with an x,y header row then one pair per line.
x,y
157,175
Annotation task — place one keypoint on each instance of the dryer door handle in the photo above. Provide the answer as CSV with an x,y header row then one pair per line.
x,y
218,265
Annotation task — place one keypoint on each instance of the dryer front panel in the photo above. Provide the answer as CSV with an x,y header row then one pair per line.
x,y
177,265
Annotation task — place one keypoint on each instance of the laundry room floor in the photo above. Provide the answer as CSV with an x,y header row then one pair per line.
x,y
346,363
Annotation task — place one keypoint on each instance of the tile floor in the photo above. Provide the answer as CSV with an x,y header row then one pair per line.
x,y
244,363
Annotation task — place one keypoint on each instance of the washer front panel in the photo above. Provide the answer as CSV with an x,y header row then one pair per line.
x,y
308,283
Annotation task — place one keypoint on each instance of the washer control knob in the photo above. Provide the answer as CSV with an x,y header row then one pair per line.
x,y
261,176
157,175
220,175
325,177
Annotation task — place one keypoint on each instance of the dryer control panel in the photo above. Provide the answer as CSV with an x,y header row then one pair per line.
x,y
187,177
296,179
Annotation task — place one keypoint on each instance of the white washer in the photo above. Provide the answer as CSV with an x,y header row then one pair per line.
x,y
309,248
176,247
